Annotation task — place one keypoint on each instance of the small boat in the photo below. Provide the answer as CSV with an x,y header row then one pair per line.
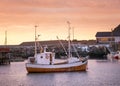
x,y
46,62
113,56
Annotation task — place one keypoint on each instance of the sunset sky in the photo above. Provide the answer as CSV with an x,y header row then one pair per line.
x,y
87,17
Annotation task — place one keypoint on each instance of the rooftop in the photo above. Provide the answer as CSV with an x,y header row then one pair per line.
x,y
115,32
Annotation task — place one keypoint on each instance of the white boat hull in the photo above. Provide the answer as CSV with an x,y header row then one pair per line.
x,y
68,67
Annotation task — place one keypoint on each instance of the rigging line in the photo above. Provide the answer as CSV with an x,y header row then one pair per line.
x,y
75,50
62,46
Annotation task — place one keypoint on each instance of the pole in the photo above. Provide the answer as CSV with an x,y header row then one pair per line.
x,y
69,48
35,40
73,33
5,38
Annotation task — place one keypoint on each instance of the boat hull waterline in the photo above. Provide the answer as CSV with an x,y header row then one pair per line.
x,y
39,68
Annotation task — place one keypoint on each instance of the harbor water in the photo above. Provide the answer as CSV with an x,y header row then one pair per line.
x,y
99,73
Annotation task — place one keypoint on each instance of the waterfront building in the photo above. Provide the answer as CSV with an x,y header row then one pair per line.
x,y
112,36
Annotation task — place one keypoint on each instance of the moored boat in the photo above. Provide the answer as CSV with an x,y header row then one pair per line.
x,y
113,56
46,62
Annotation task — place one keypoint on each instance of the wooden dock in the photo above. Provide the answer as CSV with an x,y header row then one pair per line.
x,y
4,56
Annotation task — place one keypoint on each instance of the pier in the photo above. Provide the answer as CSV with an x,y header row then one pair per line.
x,y
4,56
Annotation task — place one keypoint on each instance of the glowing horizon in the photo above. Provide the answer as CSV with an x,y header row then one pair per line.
x,y
87,17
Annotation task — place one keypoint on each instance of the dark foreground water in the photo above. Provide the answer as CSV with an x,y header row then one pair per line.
x,y
99,73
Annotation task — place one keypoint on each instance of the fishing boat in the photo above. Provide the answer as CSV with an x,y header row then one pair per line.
x,y
45,62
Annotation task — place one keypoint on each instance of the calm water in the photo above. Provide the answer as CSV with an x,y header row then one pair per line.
x,y
99,73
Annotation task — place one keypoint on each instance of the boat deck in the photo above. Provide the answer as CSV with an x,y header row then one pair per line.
x,y
60,61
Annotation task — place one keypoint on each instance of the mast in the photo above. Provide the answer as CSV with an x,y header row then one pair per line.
x,y
69,48
35,40
6,38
